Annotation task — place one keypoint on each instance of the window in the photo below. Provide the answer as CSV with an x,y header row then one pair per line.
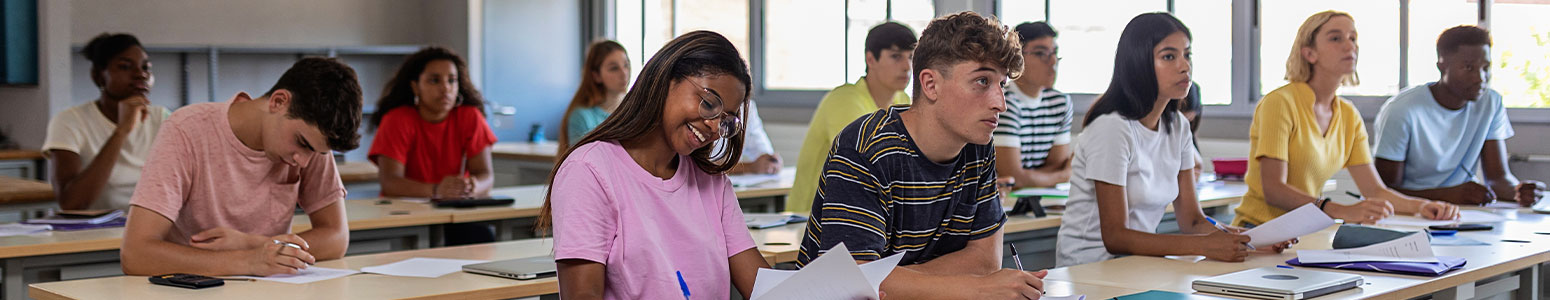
x,y
1089,32
1428,18
645,25
863,14
803,48
1377,27
1015,12
727,17
1210,23
1521,54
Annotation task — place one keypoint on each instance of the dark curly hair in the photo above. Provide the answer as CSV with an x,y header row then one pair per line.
x,y
967,36
327,95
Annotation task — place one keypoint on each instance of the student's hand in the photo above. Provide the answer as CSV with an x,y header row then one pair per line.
x,y
1471,193
1277,247
1438,210
276,258
1366,212
1010,284
1225,246
225,239
1530,192
766,164
454,187
131,111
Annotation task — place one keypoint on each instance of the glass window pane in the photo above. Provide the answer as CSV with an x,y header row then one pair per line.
x,y
628,27
727,17
1089,32
1210,23
1015,12
863,14
1377,27
1521,54
1428,18
804,45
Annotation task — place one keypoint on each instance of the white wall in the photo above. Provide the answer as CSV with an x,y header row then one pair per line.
x,y
255,23
25,117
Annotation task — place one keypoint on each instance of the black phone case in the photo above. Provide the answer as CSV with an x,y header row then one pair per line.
x,y
187,281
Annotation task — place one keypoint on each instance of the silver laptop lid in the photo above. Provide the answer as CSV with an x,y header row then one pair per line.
x,y
1280,280
520,268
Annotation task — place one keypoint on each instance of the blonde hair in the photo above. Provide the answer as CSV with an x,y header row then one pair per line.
x,y
1299,69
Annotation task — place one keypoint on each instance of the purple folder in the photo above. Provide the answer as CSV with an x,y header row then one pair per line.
x,y
1444,264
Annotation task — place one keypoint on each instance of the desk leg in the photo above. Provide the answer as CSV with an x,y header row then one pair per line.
x,y
37,169
437,237
1528,284
15,287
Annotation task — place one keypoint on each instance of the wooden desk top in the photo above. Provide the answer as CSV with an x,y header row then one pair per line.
x,y
457,285
15,154
526,151
18,190
357,171
1484,262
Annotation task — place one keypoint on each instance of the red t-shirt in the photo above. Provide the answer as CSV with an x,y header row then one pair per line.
x,y
431,151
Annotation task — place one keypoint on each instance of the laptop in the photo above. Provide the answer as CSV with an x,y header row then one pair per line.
x,y
520,268
1278,283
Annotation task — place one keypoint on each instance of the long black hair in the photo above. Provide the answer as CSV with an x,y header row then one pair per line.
x,y
1133,89
398,92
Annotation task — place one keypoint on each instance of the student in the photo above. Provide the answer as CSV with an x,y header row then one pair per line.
x,y
641,200
896,176
432,140
1135,156
1303,133
1431,137
97,149
1033,136
220,187
889,48
759,155
605,76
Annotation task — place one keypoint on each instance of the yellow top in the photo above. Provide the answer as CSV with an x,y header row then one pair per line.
x,y
1284,128
840,107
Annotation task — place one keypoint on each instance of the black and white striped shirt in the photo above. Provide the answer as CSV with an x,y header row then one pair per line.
x,y
880,196
1033,126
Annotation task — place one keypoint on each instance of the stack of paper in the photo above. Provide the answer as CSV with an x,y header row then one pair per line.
x,y
308,275
1299,222
748,180
21,229
832,276
62,219
1411,248
422,267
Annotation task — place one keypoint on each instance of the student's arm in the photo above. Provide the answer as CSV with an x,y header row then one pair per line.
x,y
1367,180
394,184
980,257
582,279
906,283
744,266
330,234
1119,239
1281,195
1054,171
76,188
481,173
1493,162
1393,173
146,252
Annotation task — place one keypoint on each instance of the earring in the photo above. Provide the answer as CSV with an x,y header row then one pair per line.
x,y
417,100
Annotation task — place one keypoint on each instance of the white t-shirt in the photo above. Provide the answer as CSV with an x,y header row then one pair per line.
x,y
83,129
1121,152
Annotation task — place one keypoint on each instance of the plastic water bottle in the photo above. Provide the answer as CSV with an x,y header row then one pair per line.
x,y
537,133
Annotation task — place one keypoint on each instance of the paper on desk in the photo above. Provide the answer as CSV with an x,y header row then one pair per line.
x,y
422,267
1071,297
1299,222
748,180
1465,216
22,229
308,275
1411,248
828,277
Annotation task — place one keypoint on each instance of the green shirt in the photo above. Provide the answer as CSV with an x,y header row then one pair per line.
x,y
582,120
840,107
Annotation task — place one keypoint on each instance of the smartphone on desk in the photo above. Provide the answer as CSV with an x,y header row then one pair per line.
x,y
187,281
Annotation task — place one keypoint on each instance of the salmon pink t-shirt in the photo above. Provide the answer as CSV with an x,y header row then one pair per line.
x,y
645,229
201,177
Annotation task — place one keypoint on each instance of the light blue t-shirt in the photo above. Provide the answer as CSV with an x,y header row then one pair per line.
x,y
1440,147
582,120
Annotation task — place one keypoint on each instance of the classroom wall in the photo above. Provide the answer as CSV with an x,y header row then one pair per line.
x,y
533,63
254,23
28,108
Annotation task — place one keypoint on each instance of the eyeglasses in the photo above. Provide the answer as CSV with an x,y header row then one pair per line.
x,y
711,108
1043,55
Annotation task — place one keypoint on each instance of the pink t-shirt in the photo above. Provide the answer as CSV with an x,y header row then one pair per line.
x,y
609,210
201,177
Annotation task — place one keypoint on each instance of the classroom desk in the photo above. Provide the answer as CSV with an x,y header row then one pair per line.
x,y
357,172
33,166
1491,270
27,197
523,163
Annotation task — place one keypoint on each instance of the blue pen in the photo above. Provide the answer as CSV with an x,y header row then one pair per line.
x,y
1219,227
683,285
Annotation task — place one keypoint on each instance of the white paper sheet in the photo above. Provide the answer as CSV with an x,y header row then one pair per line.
x,y
1071,297
1465,216
1411,248
828,277
422,267
308,275
22,229
748,180
1299,222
